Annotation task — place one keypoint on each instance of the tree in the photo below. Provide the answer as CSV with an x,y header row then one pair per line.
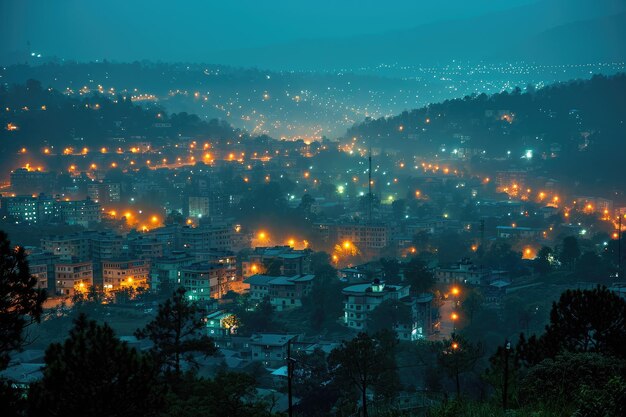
x,y
93,373
398,208
313,384
388,315
418,276
590,267
177,333
259,318
581,321
174,217
421,240
473,303
273,267
318,260
20,301
560,380
367,362
391,270
570,251
542,262
325,301
456,356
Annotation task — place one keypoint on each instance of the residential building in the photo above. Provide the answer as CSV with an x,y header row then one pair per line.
x,y
124,274
362,299
283,292
164,270
292,261
506,232
463,272
73,276
206,238
204,281
70,246
105,192
29,181
270,349
31,209
221,324
42,265
144,247
79,212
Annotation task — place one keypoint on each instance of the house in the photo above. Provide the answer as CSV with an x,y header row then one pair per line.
x,y
283,292
464,272
73,276
362,299
221,324
125,274
270,348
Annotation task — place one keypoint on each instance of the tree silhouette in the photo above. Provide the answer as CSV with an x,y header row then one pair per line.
x,y
418,276
456,356
93,373
581,321
388,315
367,362
20,300
570,251
177,332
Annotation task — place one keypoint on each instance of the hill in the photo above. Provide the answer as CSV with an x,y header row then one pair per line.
x,y
494,37
574,129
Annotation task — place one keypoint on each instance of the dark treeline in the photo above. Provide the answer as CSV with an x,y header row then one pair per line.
x,y
44,116
579,122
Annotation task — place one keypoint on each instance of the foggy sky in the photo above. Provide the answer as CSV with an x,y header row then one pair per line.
x,y
128,30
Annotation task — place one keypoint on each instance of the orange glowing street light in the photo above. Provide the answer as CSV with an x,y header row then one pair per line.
x,y
455,291
455,346
454,316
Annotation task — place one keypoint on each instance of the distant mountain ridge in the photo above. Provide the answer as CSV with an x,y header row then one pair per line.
x,y
499,35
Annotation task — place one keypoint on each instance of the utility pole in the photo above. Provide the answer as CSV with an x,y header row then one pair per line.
x,y
505,388
290,363
369,185
619,246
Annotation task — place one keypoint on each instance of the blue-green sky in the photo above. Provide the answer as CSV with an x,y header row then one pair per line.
x,y
264,32
185,29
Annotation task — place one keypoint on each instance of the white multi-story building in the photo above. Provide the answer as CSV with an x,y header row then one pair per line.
x,y
362,299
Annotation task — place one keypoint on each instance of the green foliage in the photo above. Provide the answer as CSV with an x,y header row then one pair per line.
x,y
499,255
367,362
177,331
325,302
608,400
391,270
542,263
229,394
388,315
93,373
20,300
472,303
273,267
456,356
591,267
256,318
570,251
561,379
581,321
417,275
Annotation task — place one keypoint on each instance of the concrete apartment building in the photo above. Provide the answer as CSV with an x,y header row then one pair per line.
x,y
124,274
284,292
73,276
